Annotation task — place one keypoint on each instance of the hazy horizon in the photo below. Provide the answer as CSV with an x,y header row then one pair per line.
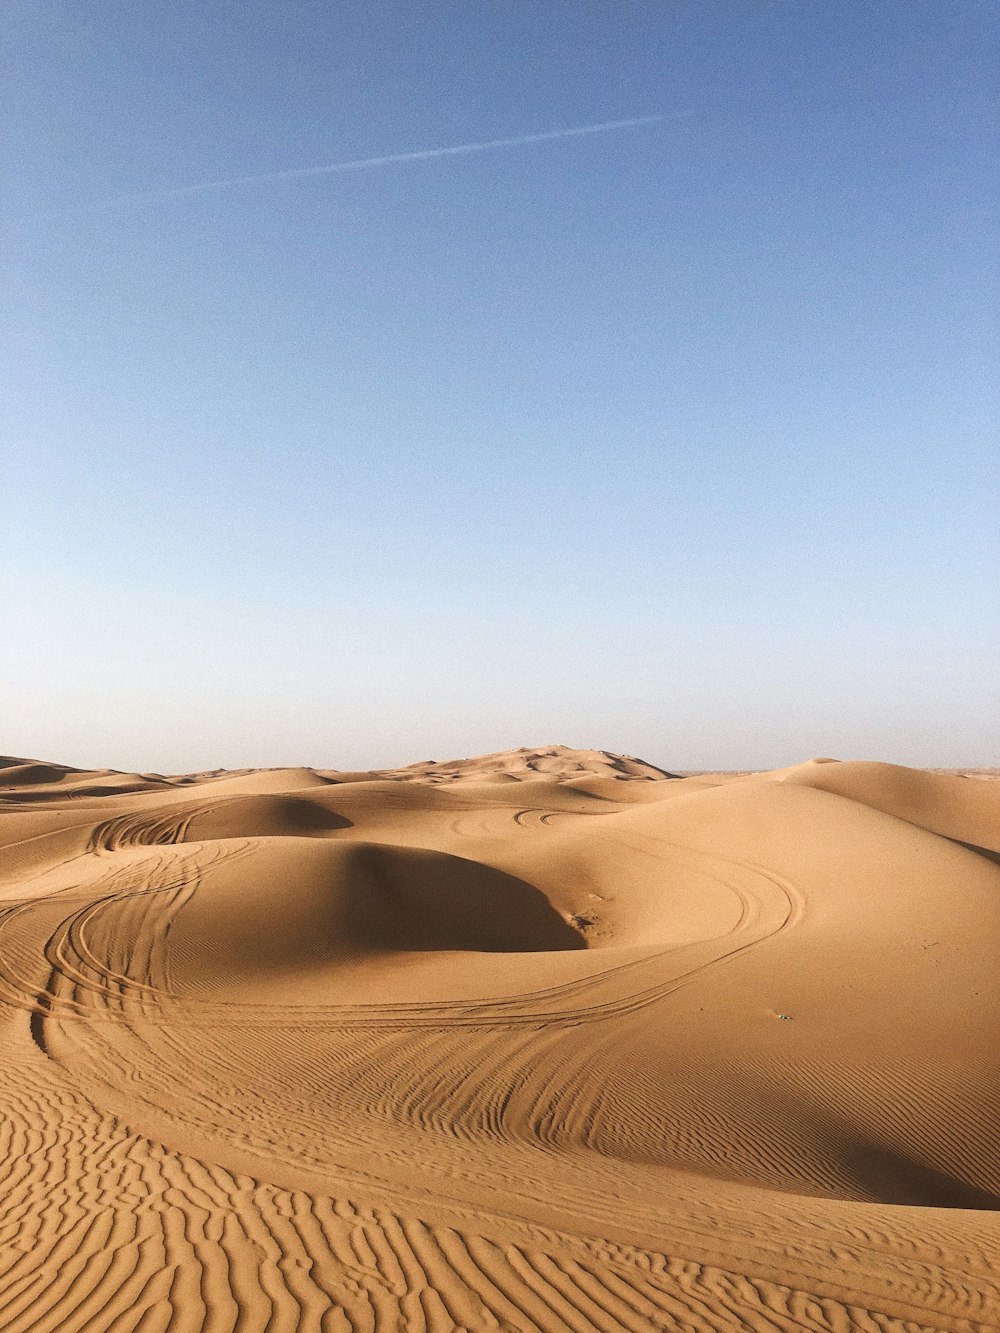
x,y
358,761
391,382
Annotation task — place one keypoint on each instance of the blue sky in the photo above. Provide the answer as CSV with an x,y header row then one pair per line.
x,y
678,439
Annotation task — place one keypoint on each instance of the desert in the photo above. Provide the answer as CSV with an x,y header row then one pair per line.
x,y
500,823
542,1040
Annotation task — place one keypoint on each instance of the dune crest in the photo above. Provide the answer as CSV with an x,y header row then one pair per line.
x,y
548,1039
556,763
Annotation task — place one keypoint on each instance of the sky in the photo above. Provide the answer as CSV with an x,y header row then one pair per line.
x,y
676,438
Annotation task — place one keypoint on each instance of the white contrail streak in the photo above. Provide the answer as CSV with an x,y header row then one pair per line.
x,y
361,164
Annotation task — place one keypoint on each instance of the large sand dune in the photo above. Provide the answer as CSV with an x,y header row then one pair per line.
x,y
544,1040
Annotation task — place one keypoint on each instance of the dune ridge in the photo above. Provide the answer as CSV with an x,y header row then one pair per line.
x,y
542,1040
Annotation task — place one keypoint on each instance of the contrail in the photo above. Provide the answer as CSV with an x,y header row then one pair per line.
x,y
361,164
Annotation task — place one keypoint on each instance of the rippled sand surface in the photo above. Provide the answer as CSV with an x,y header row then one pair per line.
x,y
544,1040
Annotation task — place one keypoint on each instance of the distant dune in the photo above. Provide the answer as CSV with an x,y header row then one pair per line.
x,y
551,1039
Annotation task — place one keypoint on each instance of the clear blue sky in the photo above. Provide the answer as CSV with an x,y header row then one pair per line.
x,y
677,439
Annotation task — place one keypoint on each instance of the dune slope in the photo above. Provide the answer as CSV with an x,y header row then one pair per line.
x,y
543,1040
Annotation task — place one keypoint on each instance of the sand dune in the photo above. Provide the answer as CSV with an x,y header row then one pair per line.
x,y
544,1040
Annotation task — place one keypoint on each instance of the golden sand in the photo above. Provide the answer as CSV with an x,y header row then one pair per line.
x,y
545,1040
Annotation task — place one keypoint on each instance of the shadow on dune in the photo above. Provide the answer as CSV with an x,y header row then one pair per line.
x,y
68,795
27,773
894,1177
985,852
298,904
415,900
264,816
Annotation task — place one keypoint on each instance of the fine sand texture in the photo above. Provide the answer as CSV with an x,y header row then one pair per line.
x,y
545,1040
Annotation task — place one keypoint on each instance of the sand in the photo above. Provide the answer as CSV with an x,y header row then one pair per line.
x,y
544,1040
